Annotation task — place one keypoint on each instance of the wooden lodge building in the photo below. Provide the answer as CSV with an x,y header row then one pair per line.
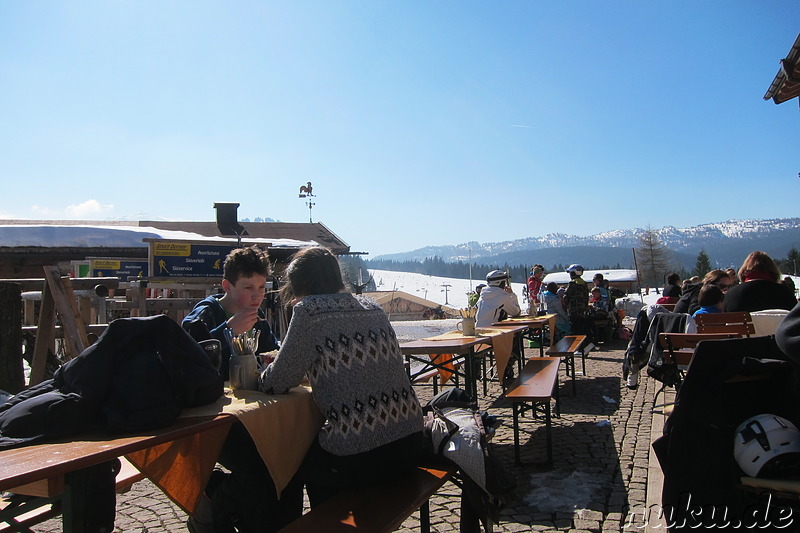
x,y
28,245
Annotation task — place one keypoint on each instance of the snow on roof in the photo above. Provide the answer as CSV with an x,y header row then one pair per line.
x,y
612,276
87,236
383,297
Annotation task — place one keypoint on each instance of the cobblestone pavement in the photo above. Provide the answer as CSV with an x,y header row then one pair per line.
x,y
601,448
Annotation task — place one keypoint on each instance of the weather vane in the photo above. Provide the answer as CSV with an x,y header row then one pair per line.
x,y
306,192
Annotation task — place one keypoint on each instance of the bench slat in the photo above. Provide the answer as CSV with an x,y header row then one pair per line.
x,y
536,381
377,508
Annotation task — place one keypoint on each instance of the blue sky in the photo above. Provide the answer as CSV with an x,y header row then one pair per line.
x,y
418,123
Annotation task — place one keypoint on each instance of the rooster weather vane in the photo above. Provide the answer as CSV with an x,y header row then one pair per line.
x,y
306,192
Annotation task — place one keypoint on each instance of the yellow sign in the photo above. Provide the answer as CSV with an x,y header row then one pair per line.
x,y
108,264
175,249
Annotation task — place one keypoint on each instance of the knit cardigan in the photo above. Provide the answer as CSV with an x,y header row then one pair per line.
x,y
349,350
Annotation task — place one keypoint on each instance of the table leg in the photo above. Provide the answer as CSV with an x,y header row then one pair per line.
x,y
470,384
89,500
515,415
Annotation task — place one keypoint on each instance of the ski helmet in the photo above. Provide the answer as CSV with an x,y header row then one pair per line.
x,y
765,443
577,269
495,278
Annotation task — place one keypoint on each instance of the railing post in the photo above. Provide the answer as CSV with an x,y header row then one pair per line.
x,y
12,378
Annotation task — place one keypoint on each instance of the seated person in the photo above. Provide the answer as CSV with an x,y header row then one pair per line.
x,y
711,299
760,288
238,309
600,283
554,306
348,349
246,495
497,301
472,299
688,301
672,292
597,303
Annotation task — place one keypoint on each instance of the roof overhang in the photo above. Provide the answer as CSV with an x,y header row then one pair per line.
x,y
786,84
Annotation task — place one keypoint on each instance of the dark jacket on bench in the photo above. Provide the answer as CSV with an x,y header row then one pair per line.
x,y
137,376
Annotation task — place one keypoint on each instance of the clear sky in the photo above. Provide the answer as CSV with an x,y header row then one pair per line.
x,y
417,122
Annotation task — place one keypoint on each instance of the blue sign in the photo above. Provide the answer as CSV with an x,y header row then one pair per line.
x,y
175,259
119,268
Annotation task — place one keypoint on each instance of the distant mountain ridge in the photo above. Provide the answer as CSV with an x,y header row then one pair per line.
x,y
727,243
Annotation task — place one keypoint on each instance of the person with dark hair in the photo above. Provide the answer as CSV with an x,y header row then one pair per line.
x,y
672,289
347,348
710,299
554,306
535,288
600,283
688,302
245,495
732,275
472,298
789,282
760,288
238,308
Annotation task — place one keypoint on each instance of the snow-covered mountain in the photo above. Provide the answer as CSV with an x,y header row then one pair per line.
x,y
726,242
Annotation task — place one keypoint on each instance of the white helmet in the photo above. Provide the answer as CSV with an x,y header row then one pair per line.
x,y
765,443
495,278
578,269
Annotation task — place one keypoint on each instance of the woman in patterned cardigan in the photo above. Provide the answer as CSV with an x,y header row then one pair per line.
x,y
348,349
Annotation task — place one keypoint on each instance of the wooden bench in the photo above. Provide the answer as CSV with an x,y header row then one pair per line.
x,y
377,508
44,499
537,384
566,349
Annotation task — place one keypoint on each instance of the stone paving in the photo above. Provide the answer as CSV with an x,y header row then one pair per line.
x,y
599,477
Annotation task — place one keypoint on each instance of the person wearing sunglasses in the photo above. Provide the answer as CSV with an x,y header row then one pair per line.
x,y
689,302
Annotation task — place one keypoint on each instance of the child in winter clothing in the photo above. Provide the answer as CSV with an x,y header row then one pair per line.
x,y
246,495
597,302
238,309
711,299
554,306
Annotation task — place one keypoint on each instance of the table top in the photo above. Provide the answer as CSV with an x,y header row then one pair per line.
x,y
452,344
513,328
527,320
179,459
41,461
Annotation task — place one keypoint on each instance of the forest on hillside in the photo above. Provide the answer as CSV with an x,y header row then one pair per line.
x,y
653,260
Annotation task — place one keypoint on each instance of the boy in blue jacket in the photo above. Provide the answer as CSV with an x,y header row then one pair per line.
x,y
238,309
243,500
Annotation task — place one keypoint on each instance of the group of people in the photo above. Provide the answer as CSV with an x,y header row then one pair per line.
x,y
358,444
757,286
576,306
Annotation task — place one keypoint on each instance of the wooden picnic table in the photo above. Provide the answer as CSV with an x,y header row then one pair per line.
x,y
534,323
499,339
178,459
447,344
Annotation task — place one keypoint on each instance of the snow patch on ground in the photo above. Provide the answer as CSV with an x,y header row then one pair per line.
x,y
410,330
560,490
